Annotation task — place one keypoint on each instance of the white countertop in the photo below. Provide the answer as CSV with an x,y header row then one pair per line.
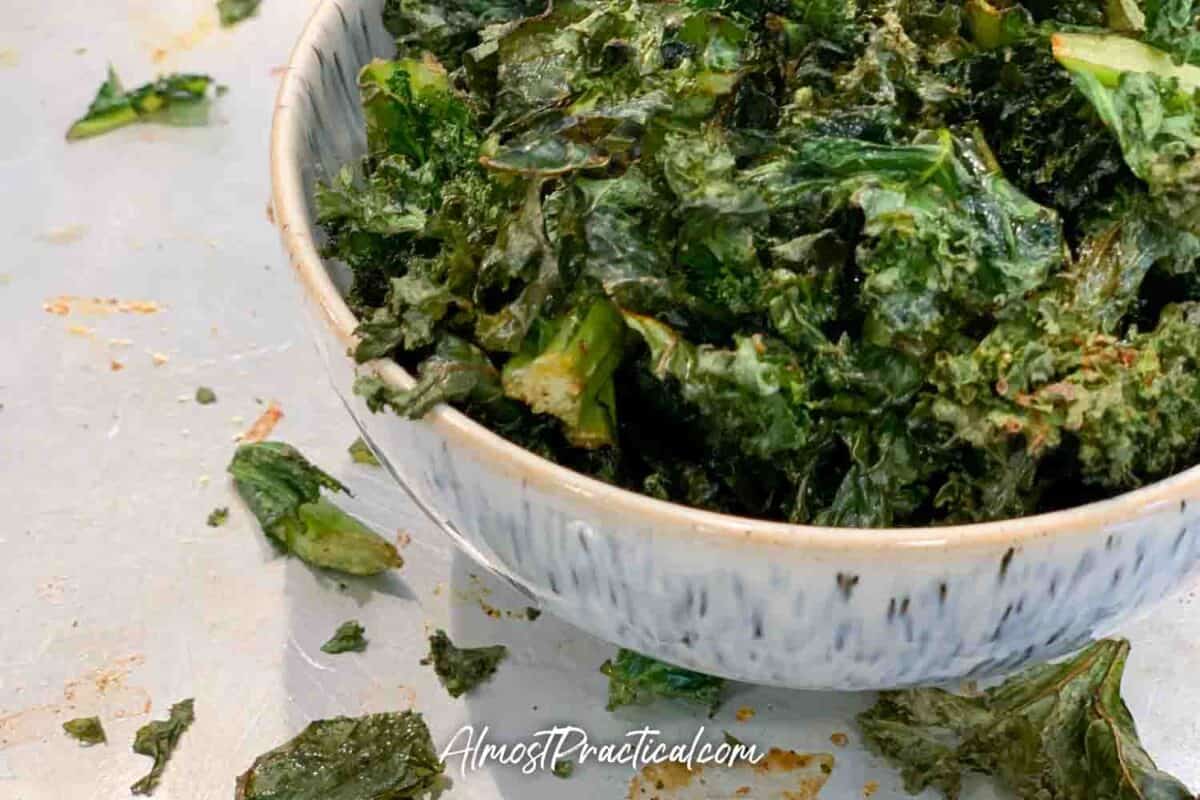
x,y
118,600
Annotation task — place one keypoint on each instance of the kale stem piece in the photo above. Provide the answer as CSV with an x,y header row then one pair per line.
x,y
570,376
1107,57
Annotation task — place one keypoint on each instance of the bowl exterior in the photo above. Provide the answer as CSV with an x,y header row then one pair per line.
x,y
766,609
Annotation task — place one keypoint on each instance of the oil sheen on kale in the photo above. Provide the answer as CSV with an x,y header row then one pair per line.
x,y
880,263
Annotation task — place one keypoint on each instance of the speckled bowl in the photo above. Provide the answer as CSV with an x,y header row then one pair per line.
x,y
789,605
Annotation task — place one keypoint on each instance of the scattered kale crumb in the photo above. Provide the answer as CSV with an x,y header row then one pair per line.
x,y
347,638
177,99
563,768
461,669
388,755
158,740
532,613
283,490
205,396
1052,731
86,730
361,453
217,517
232,12
637,679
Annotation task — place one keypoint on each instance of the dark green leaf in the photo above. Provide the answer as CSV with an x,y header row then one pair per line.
x,y
283,490
1058,732
232,12
348,638
85,730
158,740
637,679
461,669
385,756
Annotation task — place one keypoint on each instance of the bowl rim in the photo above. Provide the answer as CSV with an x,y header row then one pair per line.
x,y
660,516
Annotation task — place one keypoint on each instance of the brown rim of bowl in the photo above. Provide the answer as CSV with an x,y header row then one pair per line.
x,y
502,455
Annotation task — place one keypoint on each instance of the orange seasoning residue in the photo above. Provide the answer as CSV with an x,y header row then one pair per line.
x,y
744,714
263,426
66,304
870,788
839,739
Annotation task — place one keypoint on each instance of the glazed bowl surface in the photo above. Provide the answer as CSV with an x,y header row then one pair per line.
x,y
770,603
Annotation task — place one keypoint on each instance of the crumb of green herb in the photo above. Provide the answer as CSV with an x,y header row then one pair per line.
x,y
563,768
1053,731
158,740
532,613
217,517
86,730
362,454
283,490
461,669
205,396
178,99
346,639
385,756
637,679
231,12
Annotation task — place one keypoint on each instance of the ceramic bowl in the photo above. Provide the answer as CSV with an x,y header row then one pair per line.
x,y
769,603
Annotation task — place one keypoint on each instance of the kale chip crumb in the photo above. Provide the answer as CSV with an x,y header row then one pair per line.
x,y
217,517
532,613
386,756
158,740
231,12
361,453
347,638
205,396
635,679
86,730
563,769
461,669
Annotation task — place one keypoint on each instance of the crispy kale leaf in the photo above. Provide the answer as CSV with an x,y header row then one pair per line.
x,y
361,453
637,679
231,12
217,517
179,99
158,740
1055,731
1148,102
461,669
865,263
85,730
283,490
377,756
346,639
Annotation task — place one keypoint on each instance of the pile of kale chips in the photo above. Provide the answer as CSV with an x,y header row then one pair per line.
x,y
855,263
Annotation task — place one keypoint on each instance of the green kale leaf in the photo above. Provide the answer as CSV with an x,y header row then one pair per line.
x,y
217,517
158,740
347,638
387,755
283,490
231,12
361,453
178,99
461,669
85,730
1055,731
637,679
